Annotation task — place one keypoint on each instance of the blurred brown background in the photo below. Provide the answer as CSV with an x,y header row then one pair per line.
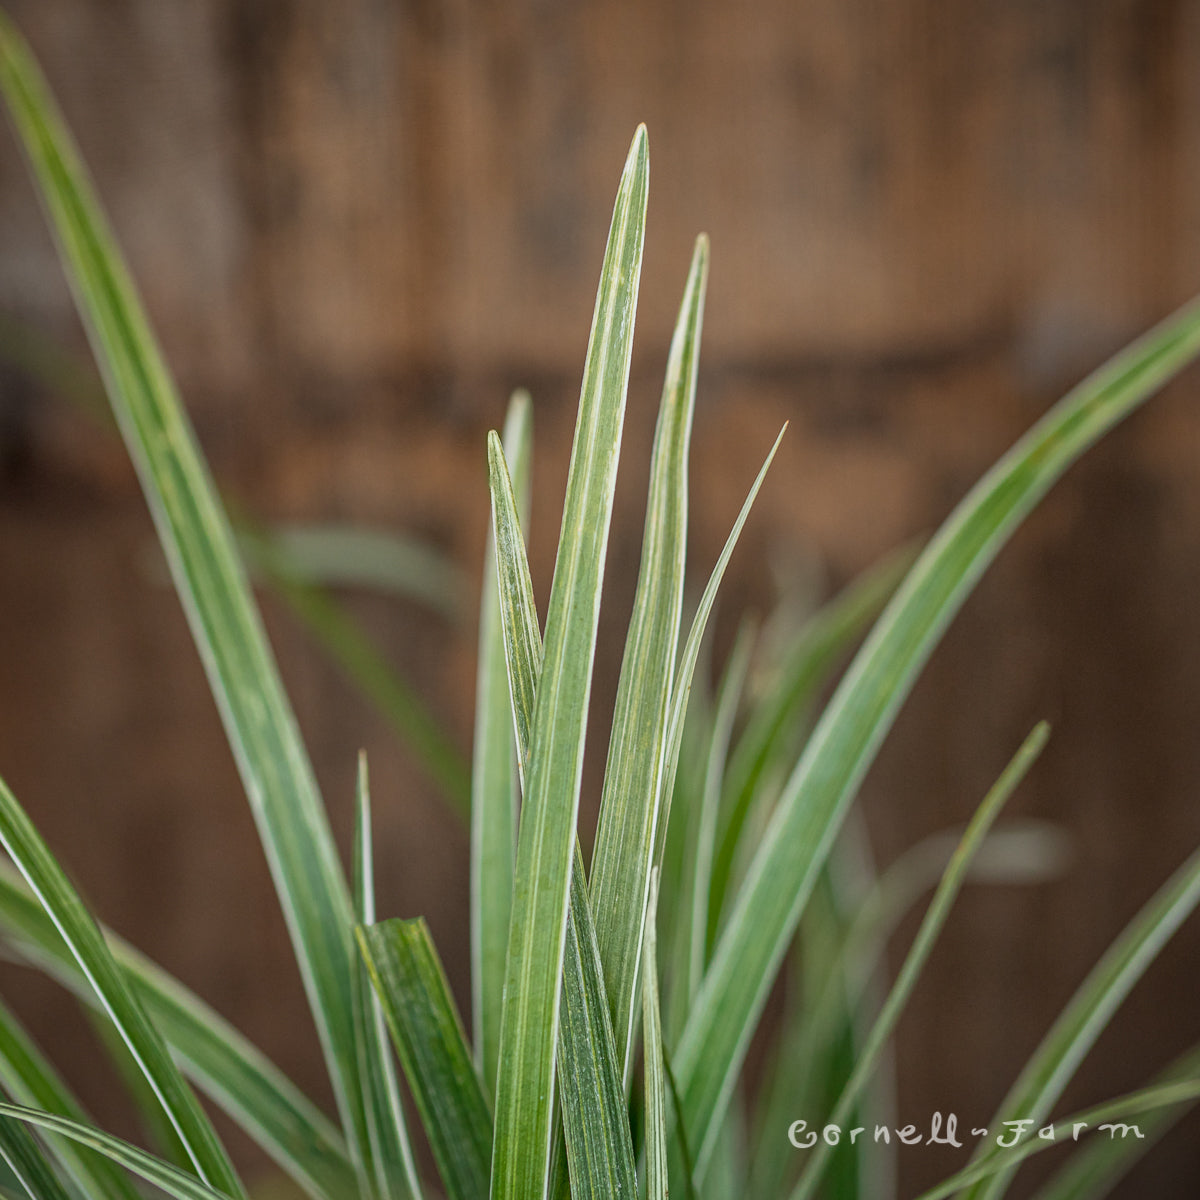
x,y
358,225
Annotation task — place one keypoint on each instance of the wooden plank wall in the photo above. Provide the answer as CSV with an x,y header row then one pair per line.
x,y
359,225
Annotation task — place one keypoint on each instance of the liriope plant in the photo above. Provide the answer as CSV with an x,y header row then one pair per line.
x,y
612,1004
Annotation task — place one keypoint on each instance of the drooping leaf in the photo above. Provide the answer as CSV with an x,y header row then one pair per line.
x,y
24,1158
935,918
1115,1112
160,1133
1081,1022
780,878
1097,1166
331,555
31,1080
235,1075
176,1183
78,929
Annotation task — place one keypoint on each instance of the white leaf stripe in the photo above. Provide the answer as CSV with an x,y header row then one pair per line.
x,y
529,1024
632,797
494,790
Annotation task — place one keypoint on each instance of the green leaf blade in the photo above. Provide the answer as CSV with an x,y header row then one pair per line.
x,y
30,1080
761,749
1098,1166
655,1079
345,555
219,1060
935,918
595,1144
690,655
529,1025
170,1179
495,794
1081,1022
429,1039
26,1161
388,1170
343,638
631,802
208,574
729,696
1007,1159
768,907
78,929
595,1119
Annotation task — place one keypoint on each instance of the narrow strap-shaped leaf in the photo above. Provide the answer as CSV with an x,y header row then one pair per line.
x,y
345,555
598,1144
935,918
82,935
1023,852
676,1117
768,737
389,1171
682,689
529,1024
179,1184
207,571
729,697
595,1120
232,1072
1115,1112
655,1082
428,1036
1077,1027
679,856
360,660
853,1169
789,1088
522,639
27,1162
844,743
160,1133
494,790
30,1080
631,799
1096,1167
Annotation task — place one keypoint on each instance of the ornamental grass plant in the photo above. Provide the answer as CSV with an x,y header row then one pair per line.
x,y
613,1003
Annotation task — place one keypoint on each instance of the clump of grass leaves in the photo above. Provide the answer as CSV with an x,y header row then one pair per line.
x,y
718,806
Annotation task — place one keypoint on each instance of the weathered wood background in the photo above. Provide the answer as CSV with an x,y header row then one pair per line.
x,y
358,225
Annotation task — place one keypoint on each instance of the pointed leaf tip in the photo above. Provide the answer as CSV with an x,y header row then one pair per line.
x,y
639,150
